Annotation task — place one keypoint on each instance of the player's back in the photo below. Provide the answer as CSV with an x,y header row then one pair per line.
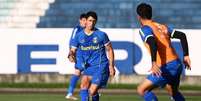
x,y
166,52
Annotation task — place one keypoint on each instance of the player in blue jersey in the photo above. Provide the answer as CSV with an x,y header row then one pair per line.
x,y
93,45
166,66
75,77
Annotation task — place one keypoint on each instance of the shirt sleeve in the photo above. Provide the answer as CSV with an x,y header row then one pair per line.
x,y
171,31
145,33
106,40
72,38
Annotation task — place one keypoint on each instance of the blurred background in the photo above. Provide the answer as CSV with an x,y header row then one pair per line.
x,y
112,13
35,36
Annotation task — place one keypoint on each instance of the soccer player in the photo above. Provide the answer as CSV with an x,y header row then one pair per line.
x,y
93,45
166,67
75,77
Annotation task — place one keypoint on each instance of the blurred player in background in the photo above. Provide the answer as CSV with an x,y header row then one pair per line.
x,y
166,66
75,77
97,67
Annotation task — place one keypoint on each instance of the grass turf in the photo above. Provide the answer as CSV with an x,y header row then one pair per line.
x,y
60,97
62,85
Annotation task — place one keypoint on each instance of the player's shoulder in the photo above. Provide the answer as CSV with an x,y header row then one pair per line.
x,y
146,29
79,33
96,28
79,28
161,25
76,27
99,32
169,27
166,27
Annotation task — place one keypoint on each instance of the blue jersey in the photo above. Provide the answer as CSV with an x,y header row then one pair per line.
x,y
76,30
92,48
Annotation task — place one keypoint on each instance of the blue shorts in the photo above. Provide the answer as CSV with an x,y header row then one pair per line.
x,y
99,73
79,67
170,74
79,63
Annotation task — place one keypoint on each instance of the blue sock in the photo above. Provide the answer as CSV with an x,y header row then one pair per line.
x,y
178,97
149,96
84,95
95,97
72,85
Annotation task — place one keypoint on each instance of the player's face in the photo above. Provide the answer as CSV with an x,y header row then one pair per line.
x,y
83,22
90,23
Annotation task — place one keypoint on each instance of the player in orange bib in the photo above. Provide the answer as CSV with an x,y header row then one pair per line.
x,y
166,66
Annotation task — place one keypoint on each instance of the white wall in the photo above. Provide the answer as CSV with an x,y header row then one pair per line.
x,y
12,38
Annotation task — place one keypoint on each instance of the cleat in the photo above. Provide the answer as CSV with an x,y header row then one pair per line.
x,y
70,97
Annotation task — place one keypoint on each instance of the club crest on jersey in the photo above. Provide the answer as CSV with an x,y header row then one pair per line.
x,y
82,41
95,40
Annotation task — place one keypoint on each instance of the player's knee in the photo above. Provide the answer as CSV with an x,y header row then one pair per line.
x,y
84,84
92,92
77,72
140,91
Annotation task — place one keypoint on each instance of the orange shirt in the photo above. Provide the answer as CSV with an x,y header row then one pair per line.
x,y
165,51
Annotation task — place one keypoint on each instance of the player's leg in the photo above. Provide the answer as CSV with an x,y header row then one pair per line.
x,y
99,80
144,90
169,91
175,68
73,81
85,83
174,91
94,92
177,96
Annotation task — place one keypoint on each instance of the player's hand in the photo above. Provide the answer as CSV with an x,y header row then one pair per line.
x,y
155,69
71,57
112,70
187,62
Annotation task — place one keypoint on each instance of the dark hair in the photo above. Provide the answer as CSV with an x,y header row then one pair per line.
x,y
83,15
144,10
92,14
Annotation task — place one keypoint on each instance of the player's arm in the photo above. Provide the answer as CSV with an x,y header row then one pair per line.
x,y
153,47
111,58
153,50
110,52
72,43
183,40
184,43
148,37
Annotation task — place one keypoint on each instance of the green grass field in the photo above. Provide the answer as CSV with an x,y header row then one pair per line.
x,y
60,97
28,96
